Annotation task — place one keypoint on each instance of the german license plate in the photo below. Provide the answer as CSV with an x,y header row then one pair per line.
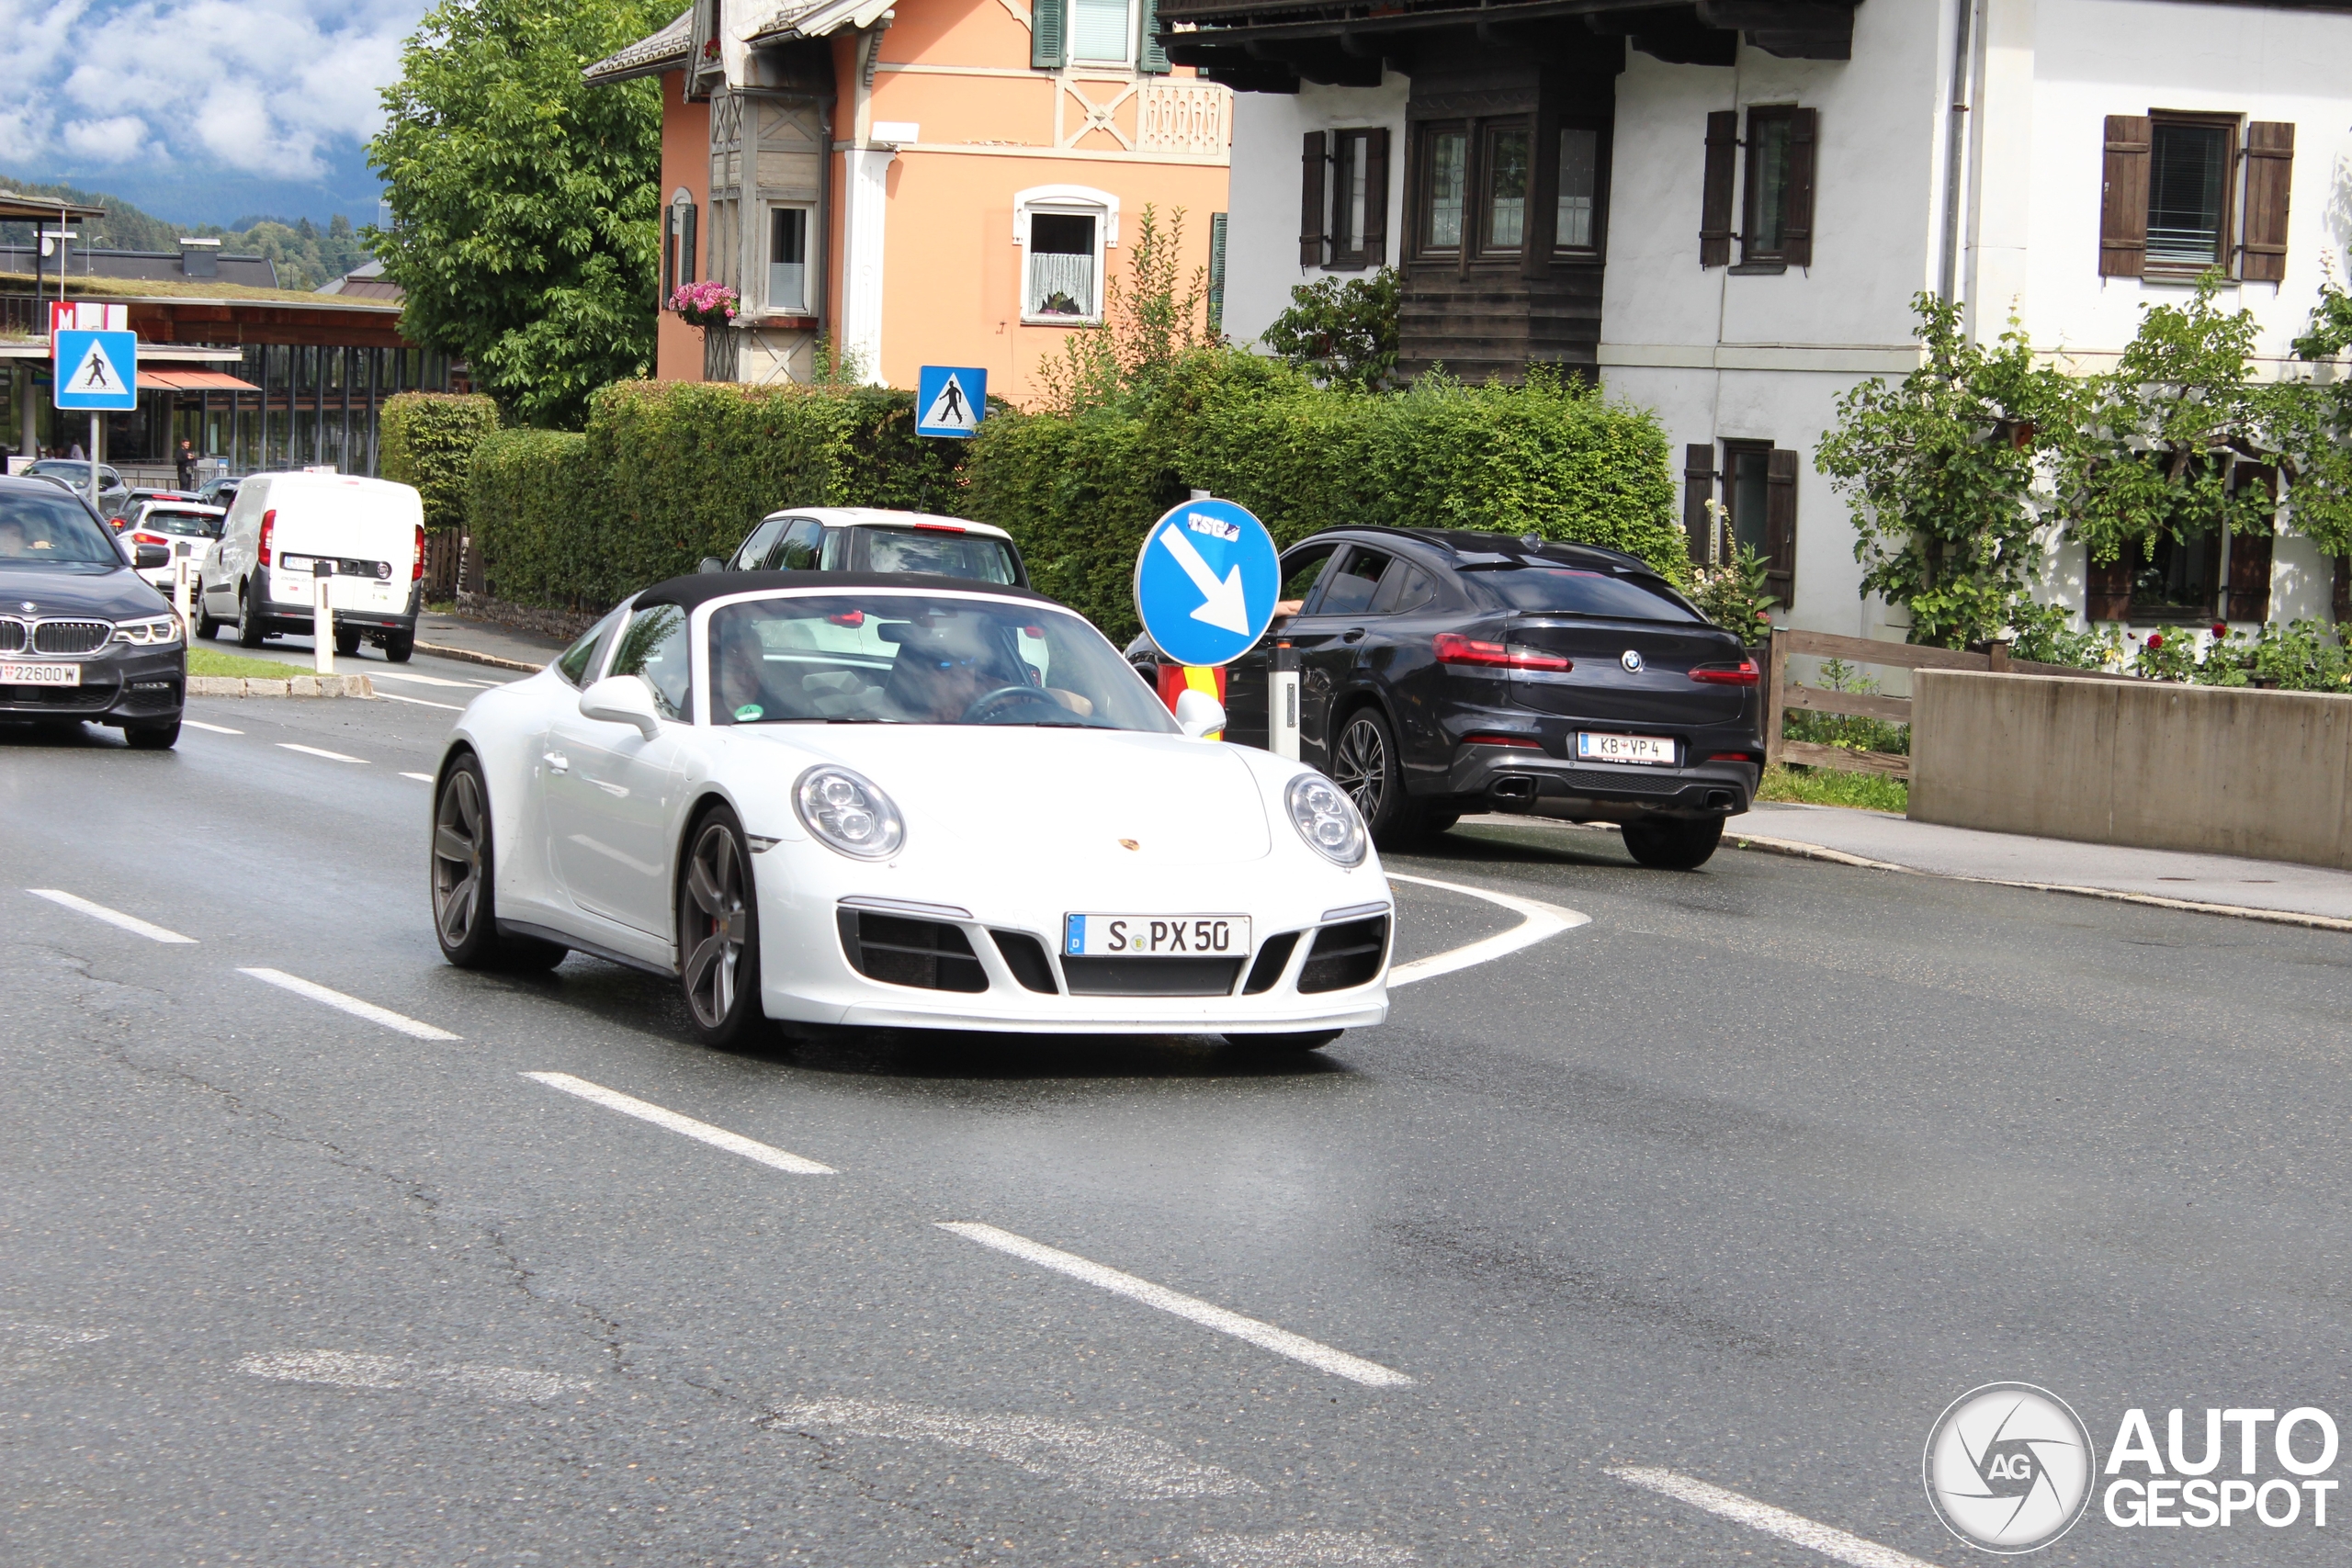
x,y
1650,750
39,674
1155,936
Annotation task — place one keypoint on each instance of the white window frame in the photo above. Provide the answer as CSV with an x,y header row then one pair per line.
x,y
807,306
1127,57
1073,201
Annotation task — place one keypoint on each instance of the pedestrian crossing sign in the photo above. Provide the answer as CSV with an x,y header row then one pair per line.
x,y
950,399
94,370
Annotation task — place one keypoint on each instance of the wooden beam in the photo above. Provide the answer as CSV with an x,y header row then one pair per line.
x,y
1806,753
1861,704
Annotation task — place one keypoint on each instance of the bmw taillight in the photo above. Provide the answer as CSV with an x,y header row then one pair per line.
x,y
268,527
1454,648
1743,674
416,572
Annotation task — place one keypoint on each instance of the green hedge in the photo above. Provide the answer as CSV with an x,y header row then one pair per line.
x,y
427,439
536,531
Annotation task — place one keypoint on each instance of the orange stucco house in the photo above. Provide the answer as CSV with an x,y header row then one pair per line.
x,y
926,182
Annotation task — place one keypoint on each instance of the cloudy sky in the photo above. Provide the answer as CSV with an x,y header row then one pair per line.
x,y
201,110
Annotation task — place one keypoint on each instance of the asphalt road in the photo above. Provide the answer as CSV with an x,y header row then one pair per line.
x,y
1743,1180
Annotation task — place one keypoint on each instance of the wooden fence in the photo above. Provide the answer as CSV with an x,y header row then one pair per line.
x,y
1782,695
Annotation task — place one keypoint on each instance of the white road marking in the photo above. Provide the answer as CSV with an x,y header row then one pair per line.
x,y
315,751
1756,1516
421,778
351,1005
214,729
1538,921
346,1369
716,1138
50,1333
111,917
1301,1549
1104,1459
1265,1335
417,702
419,680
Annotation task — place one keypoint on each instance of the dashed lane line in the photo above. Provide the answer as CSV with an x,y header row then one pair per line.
x,y
351,1005
111,917
1537,921
418,701
211,728
1265,1335
414,678
317,752
702,1131
1830,1542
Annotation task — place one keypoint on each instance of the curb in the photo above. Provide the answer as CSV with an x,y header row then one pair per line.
x,y
2154,900
444,651
295,686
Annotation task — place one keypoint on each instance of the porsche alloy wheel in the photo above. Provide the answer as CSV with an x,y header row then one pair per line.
x,y
465,916
719,932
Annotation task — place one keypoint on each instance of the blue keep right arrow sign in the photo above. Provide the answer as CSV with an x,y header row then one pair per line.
x,y
1206,582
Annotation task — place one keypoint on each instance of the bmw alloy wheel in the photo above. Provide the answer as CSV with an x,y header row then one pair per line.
x,y
715,924
1360,766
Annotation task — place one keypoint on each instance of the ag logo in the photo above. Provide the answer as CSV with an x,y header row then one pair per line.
x,y
2009,1468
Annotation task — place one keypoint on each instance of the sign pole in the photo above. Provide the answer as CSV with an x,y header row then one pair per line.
x,y
323,615
94,457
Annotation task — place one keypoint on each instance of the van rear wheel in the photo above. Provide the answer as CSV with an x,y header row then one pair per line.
x,y
251,626
400,646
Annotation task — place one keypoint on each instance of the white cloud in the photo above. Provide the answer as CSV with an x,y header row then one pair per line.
x,y
278,88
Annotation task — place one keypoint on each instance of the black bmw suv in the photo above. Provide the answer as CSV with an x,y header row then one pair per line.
x,y
1443,672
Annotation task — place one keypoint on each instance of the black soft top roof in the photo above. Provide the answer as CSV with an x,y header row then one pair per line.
x,y
701,587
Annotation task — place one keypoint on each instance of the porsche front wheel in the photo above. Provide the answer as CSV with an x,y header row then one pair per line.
x,y
719,932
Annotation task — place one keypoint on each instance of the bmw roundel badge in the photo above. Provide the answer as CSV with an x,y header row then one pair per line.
x,y
1632,659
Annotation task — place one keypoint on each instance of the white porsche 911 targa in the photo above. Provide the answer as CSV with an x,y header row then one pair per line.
x,y
905,802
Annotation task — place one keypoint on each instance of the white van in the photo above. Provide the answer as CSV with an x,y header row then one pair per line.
x,y
284,527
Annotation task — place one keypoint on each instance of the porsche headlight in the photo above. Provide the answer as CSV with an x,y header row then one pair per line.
x,y
1327,819
846,812
155,632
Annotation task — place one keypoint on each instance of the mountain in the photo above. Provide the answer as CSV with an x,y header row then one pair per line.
x,y
306,255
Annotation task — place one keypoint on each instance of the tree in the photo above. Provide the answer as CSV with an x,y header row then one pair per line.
x,y
1148,324
523,201
1940,470
1341,334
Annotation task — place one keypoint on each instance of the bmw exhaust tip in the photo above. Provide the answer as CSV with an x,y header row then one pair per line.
x,y
1513,790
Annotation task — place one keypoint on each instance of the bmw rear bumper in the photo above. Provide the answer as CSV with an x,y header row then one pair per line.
x,y
1511,778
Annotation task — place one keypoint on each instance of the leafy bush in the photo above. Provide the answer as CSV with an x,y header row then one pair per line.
x,y
1833,786
1849,732
1341,333
428,440
2044,634
1731,594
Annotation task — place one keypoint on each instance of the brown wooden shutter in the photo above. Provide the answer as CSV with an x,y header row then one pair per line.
x,y
2123,197
1796,227
2339,598
2107,589
1714,201
1780,525
1698,489
1374,240
2269,165
1310,200
2249,598
687,243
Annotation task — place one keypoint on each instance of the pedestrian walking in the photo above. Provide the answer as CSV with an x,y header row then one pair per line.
x,y
187,465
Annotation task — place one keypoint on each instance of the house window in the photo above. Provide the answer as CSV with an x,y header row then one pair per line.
x,y
1572,225
1505,217
1776,189
788,259
1101,32
1760,497
1766,229
1446,180
2189,162
1358,200
2179,581
1063,231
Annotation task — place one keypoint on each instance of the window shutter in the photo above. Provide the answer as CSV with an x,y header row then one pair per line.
x,y
687,243
1374,240
2107,589
2339,598
2270,162
1151,59
1217,223
1048,34
1310,200
668,255
1698,489
1714,201
2249,597
2123,197
1796,228
1780,525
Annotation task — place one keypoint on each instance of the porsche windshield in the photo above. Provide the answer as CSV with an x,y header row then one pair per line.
x,y
912,659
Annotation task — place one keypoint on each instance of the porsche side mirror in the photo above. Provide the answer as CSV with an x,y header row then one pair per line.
x,y
622,699
1198,713
153,556
711,563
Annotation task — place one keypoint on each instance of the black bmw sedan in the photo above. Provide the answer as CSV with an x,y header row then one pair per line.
x,y
1443,672
82,637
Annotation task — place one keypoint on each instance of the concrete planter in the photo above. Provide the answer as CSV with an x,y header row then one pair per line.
x,y
2217,770
294,686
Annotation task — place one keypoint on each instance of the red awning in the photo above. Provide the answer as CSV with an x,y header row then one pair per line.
x,y
191,381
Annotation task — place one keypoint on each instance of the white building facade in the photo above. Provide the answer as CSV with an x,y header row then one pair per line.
x,y
1723,209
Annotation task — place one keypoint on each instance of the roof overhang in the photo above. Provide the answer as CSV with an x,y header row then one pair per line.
x,y
16,207
648,56
149,352
820,20
192,381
